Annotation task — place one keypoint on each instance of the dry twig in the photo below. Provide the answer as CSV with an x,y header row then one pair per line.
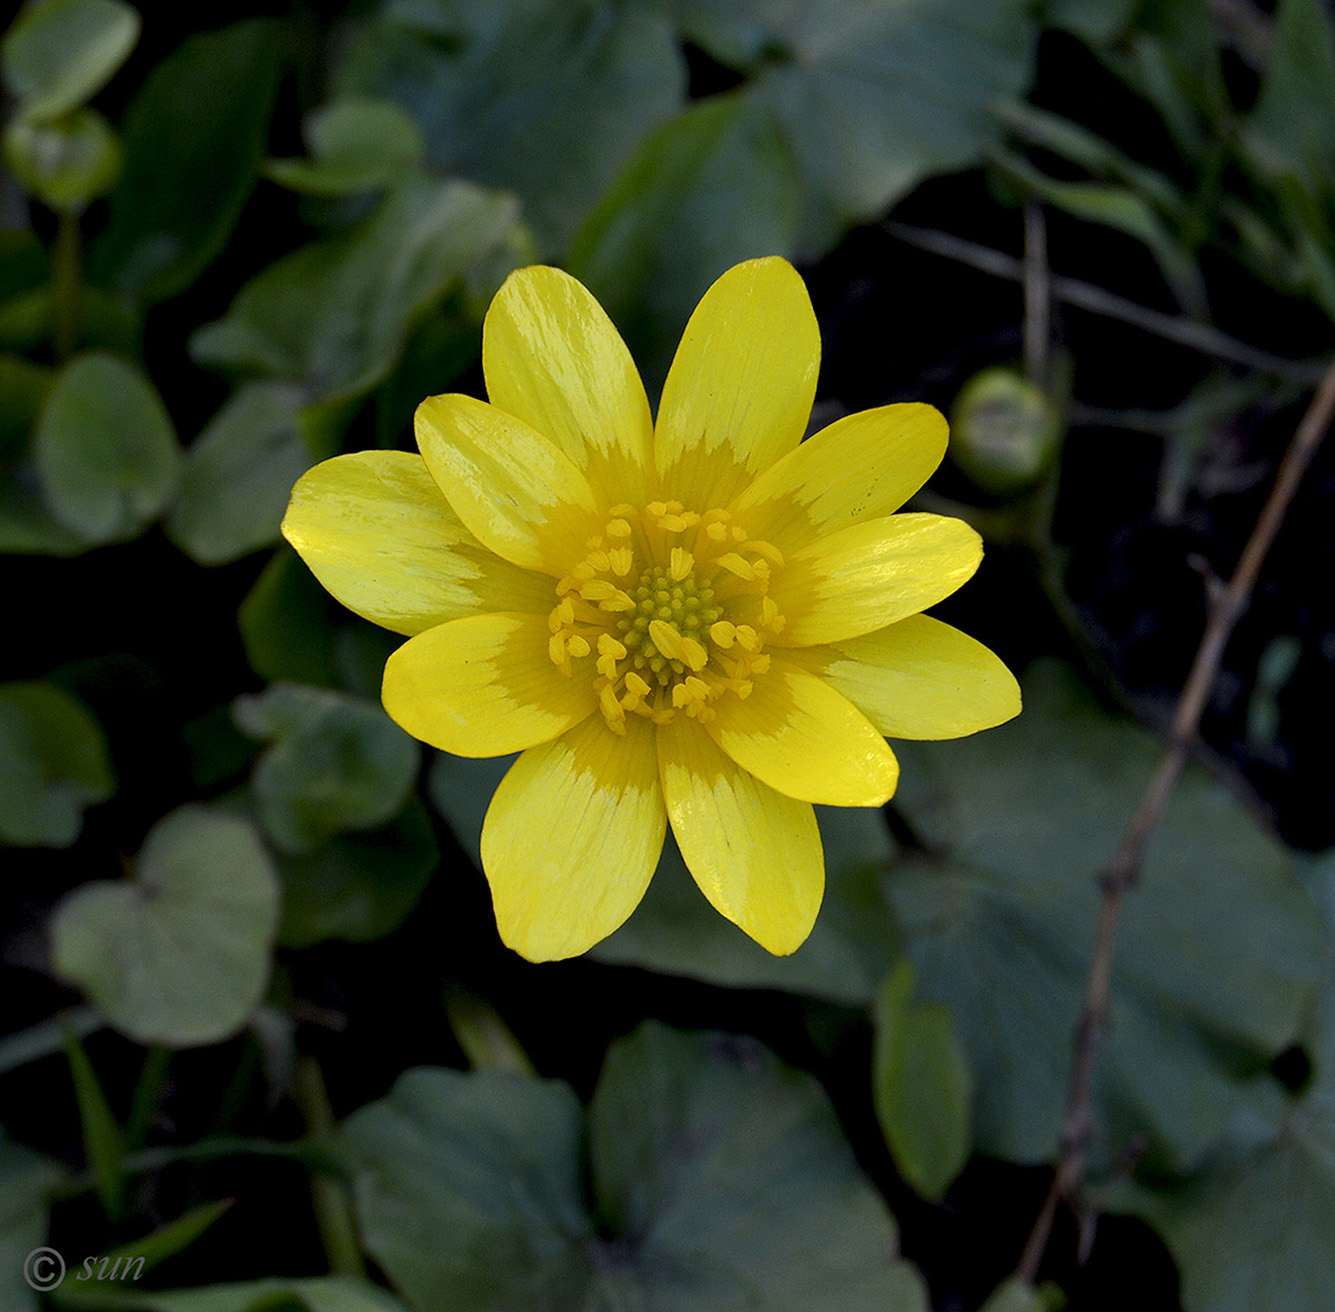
x,y
1122,871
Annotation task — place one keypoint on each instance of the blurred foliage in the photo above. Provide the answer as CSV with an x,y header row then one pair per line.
x,y
227,256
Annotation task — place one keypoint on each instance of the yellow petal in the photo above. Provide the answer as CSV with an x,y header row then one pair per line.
x,y
755,853
518,493
552,357
795,733
376,531
861,467
739,393
918,679
870,575
483,686
572,838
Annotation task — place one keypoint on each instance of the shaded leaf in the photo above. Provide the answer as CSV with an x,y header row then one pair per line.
x,y
1219,949
53,764
737,1192
26,1181
105,449
358,887
714,186
544,100
180,954
318,1294
872,97
285,625
103,1139
59,53
356,145
238,474
334,315
194,137
335,764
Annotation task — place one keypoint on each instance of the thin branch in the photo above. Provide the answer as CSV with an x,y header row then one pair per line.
x,y
1124,869
1191,333
1037,295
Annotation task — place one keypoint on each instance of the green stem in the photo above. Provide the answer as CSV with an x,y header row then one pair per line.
x,y
333,1212
67,277
147,1093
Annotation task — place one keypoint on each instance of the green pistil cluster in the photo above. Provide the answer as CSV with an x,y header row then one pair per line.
x,y
683,603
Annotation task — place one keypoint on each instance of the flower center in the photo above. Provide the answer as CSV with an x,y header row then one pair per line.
x,y
669,611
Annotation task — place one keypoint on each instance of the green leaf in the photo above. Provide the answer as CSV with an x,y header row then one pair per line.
x,y
103,1140
105,448
922,1086
356,145
24,387
179,954
320,1294
738,1191
547,101
27,1180
1014,1295
1254,1229
285,625
59,53
1292,128
65,163
239,472
336,764
194,138
334,315
358,887
674,930
872,97
53,765
712,187
1219,950
1096,22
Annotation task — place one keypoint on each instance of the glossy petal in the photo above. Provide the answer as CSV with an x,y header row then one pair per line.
x,y
865,577
552,357
755,853
483,686
861,467
739,393
572,838
376,531
918,679
516,491
798,735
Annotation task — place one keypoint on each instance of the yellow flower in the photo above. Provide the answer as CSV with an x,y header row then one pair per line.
x,y
703,620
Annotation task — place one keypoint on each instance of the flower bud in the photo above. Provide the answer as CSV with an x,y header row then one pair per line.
x,y
1004,431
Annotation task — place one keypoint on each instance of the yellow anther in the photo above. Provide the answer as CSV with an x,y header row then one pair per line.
x,y
562,614
747,637
583,571
769,610
611,708
606,666
766,549
735,564
680,696
617,601
656,508
608,645
760,665
619,528
680,563
696,655
598,590
598,559
622,509
622,560
716,531
673,523
636,685
738,533
577,646
723,633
